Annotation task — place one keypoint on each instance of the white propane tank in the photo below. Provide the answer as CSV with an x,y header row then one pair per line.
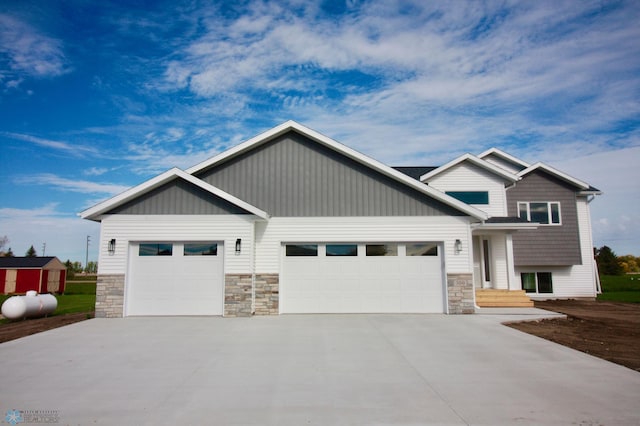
x,y
31,305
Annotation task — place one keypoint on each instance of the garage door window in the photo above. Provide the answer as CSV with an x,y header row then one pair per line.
x,y
382,249
161,249
422,249
201,249
342,249
302,249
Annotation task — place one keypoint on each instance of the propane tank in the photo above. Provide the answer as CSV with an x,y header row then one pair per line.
x,y
29,306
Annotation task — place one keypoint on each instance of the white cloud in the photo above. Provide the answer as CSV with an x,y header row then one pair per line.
x,y
64,234
73,185
73,149
28,52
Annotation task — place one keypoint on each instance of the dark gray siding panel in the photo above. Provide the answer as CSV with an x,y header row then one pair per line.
x,y
178,197
293,176
547,245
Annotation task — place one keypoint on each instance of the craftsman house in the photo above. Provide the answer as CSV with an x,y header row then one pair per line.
x,y
292,221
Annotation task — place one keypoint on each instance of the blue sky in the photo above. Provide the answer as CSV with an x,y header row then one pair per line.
x,y
96,97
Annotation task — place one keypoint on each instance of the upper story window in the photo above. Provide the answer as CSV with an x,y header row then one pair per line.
x,y
470,197
543,212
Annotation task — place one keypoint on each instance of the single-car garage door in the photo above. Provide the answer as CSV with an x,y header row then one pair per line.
x,y
175,278
362,278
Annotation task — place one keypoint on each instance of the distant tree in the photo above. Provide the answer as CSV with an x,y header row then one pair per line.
x,y
31,252
3,242
629,263
9,253
92,267
71,274
608,261
77,267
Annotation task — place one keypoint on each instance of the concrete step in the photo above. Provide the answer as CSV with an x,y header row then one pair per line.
x,y
486,298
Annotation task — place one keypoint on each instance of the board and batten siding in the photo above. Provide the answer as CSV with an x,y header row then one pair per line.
x,y
293,176
166,228
270,236
548,244
469,177
178,197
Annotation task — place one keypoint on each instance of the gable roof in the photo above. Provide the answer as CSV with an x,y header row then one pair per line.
x,y
583,186
27,262
290,125
503,155
414,172
473,160
94,212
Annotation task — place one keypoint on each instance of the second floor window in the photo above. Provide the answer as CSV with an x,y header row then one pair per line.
x,y
543,212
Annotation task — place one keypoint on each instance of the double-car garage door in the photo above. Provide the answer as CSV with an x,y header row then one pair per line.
x,y
175,278
362,278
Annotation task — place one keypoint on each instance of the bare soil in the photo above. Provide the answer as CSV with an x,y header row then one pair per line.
x,y
607,330
17,329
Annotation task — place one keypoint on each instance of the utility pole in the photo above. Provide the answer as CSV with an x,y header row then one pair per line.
x,y
86,259
44,247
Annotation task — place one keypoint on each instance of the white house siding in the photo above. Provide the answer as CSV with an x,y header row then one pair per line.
x,y
270,235
160,228
468,177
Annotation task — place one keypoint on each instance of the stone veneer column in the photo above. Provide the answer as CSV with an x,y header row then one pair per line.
x,y
109,295
460,292
237,295
267,294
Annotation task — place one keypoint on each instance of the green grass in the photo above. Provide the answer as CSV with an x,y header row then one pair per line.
x,y
80,296
620,288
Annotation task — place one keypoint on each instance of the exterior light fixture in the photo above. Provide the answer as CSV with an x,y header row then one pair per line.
x,y
238,245
111,247
457,246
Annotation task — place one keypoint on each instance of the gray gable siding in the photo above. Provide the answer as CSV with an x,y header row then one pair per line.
x,y
293,176
547,245
178,197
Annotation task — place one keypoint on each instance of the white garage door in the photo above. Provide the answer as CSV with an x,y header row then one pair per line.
x,y
175,278
362,278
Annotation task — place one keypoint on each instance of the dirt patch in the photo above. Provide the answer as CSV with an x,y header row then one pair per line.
x,y
16,329
608,330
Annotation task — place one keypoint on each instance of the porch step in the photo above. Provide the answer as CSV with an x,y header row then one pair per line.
x,y
492,298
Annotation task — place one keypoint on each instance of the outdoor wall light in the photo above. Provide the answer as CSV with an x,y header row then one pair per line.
x,y
238,245
457,246
111,247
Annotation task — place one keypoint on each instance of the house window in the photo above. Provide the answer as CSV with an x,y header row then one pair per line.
x,y
422,249
161,249
342,249
382,249
470,197
543,212
201,249
537,282
301,250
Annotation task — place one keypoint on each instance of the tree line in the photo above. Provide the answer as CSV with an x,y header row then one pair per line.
x,y
611,264
73,268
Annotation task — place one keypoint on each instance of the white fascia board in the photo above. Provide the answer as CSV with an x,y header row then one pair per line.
x,y
345,150
503,226
476,161
504,155
94,212
580,184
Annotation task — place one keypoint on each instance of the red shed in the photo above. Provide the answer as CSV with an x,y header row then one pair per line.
x,y
42,274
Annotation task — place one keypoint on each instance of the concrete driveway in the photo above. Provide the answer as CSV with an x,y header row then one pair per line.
x,y
310,369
